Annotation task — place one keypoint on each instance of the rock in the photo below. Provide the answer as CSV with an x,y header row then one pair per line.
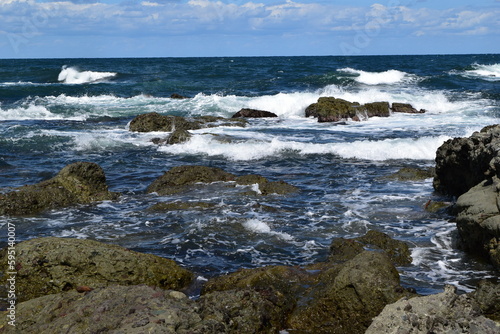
x,y
181,178
412,174
405,108
154,122
114,309
266,187
342,250
331,109
478,220
446,312
377,109
178,179
462,163
143,309
173,206
51,265
243,311
77,183
254,113
437,206
487,295
178,137
348,296
178,96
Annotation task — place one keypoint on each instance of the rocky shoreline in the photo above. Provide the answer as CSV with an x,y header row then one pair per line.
x,y
83,286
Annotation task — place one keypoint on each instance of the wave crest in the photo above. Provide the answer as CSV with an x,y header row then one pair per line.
x,y
389,77
71,75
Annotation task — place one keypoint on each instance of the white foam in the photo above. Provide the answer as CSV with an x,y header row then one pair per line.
x,y
258,226
389,77
423,148
71,75
486,72
34,112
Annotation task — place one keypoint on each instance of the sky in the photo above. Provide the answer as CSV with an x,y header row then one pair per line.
x,y
205,28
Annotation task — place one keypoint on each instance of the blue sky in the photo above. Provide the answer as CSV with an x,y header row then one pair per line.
x,y
170,28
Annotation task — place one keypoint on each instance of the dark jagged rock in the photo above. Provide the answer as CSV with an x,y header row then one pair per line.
x,y
178,96
77,183
462,163
254,113
52,265
181,178
487,295
405,108
445,312
154,122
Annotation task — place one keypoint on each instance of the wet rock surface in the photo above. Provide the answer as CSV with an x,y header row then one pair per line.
x,y
51,265
254,113
77,183
182,178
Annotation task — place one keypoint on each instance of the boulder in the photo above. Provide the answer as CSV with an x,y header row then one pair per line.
x,y
487,296
348,296
331,109
462,163
478,220
52,265
445,312
77,183
377,109
342,250
405,108
154,122
254,113
182,178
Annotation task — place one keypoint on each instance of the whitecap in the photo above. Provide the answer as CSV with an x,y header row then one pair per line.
x,y
485,72
258,226
71,75
389,77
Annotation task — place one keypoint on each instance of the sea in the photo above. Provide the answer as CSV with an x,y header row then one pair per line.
x,y
54,112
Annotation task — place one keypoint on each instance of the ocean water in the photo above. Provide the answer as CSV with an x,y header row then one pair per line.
x,y
58,111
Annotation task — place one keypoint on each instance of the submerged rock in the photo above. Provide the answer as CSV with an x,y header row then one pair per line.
x,y
51,265
462,163
412,174
182,178
173,206
77,183
178,96
254,113
445,312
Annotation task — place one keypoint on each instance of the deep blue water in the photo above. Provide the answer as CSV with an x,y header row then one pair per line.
x,y
57,111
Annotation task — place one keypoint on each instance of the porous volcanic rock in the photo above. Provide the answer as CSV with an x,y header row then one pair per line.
x,y
51,265
445,312
77,183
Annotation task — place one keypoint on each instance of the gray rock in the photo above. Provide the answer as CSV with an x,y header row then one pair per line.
x,y
254,113
445,312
